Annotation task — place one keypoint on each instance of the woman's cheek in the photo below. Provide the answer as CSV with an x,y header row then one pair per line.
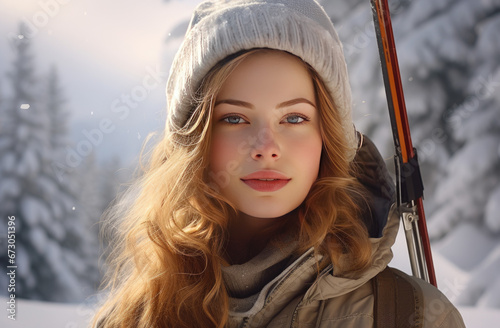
x,y
307,147
309,139
225,152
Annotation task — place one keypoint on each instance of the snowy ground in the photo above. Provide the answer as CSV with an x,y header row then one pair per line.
x,y
33,314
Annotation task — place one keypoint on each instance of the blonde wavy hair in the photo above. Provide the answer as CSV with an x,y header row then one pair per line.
x,y
171,226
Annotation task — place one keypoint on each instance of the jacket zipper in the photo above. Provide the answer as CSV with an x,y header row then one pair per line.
x,y
295,312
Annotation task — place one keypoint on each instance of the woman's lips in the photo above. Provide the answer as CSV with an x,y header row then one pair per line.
x,y
266,186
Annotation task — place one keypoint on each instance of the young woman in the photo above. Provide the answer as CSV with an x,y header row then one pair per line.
x,y
261,206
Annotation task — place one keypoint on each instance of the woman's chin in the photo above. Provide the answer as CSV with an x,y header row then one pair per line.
x,y
267,212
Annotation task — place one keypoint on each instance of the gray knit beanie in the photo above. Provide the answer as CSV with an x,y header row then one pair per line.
x,y
220,28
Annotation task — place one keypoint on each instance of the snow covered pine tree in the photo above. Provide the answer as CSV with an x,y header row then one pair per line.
x,y
54,251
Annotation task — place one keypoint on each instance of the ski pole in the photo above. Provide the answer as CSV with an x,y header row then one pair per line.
x,y
408,178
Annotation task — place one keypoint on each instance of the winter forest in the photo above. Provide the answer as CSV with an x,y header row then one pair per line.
x,y
57,186
55,196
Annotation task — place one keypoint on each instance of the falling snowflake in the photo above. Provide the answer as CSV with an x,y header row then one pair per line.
x,y
20,36
138,136
25,106
73,208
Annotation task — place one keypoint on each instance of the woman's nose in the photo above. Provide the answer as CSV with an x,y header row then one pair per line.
x,y
266,147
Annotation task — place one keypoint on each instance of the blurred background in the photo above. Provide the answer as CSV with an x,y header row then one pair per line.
x,y
82,85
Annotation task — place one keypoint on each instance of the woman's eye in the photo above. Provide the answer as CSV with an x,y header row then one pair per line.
x,y
295,119
233,119
290,119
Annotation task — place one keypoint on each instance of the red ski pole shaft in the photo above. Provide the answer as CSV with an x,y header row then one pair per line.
x,y
422,227
400,126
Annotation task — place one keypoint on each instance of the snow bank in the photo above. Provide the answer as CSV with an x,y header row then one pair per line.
x,y
34,314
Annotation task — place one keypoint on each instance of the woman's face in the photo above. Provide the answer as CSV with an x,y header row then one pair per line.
x,y
266,142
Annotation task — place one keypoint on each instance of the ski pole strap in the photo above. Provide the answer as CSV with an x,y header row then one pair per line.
x,y
410,177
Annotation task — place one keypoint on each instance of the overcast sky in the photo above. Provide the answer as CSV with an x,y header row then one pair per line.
x,y
104,51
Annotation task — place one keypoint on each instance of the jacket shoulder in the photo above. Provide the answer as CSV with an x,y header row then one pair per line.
x,y
355,309
438,311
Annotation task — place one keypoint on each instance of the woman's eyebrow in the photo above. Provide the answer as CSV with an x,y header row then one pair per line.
x,y
235,102
241,103
295,101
